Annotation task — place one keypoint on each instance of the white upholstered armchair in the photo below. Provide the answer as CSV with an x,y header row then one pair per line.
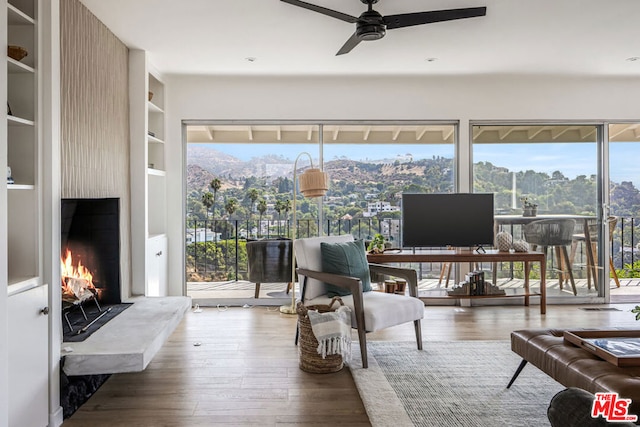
x,y
337,265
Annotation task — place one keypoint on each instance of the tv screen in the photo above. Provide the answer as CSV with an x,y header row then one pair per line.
x,y
447,219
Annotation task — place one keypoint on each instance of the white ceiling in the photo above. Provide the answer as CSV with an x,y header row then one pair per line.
x,y
586,37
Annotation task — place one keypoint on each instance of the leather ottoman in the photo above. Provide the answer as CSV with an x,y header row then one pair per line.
x,y
573,366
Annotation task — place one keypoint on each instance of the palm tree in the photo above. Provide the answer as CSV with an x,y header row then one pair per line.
x,y
279,207
252,194
262,208
286,205
215,185
207,201
231,206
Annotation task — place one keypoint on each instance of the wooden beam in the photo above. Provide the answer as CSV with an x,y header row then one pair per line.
x,y
504,132
477,131
420,132
532,133
446,134
585,132
250,132
622,130
366,133
210,132
396,133
336,131
309,133
558,131
279,133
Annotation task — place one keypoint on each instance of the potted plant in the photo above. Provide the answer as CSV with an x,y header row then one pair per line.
x,y
528,208
377,245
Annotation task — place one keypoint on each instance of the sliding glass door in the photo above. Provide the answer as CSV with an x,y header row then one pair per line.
x,y
239,194
551,173
624,231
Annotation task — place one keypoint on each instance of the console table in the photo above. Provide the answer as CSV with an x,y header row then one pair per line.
x,y
471,256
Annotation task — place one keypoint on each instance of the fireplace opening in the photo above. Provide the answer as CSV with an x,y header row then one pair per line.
x,y
89,266
90,250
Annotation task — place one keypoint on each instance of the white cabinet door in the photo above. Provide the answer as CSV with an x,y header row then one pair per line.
x,y
157,267
28,358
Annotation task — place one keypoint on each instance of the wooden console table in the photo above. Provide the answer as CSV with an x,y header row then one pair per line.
x,y
474,257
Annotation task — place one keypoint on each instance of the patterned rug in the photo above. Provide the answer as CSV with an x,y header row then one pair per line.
x,y
456,383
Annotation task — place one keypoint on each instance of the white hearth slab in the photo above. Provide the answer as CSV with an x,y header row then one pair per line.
x,y
129,341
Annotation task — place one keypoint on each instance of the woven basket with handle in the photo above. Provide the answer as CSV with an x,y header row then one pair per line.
x,y
310,360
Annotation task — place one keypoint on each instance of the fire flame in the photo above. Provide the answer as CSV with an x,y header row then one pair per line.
x,y
77,282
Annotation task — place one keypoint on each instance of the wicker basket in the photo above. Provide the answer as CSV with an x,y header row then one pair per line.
x,y
310,360
16,52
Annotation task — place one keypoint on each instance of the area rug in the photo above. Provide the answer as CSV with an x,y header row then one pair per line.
x,y
456,383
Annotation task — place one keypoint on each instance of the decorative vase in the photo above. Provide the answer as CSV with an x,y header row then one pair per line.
x,y
520,246
530,211
503,241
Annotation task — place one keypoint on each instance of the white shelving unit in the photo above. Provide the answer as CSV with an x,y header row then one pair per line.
x,y
23,198
22,219
148,177
24,223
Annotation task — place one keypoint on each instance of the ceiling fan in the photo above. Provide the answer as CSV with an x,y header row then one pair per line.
x,y
370,25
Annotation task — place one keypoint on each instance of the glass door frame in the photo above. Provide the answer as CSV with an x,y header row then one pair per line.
x,y
455,124
602,191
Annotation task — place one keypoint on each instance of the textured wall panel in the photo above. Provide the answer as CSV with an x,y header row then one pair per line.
x,y
95,117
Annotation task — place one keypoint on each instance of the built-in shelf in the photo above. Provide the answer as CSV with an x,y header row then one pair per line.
x,y
154,140
149,177
157,235
17,17
19,121
153,108
20,187
156,172
15,67
25,233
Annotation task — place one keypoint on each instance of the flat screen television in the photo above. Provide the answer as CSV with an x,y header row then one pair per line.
x,y
447,219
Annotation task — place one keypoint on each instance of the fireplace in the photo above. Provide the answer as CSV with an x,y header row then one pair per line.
x,y
90,250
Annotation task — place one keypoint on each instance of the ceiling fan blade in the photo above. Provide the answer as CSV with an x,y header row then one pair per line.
x,y
410,19
353,41
323,10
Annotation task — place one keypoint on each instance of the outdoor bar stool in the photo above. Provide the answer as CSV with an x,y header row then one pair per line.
x,y
590,234
557,234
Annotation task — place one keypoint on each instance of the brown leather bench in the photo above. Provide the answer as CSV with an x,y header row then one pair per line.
x,y
573,366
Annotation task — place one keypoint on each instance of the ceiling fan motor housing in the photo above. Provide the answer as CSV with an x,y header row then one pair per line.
x,y
370,26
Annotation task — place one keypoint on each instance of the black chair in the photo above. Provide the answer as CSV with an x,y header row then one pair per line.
x,y
557,234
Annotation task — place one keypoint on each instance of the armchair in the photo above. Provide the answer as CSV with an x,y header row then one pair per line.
x,y
370,311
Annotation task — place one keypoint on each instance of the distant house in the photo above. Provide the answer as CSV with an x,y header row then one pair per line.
x,y
374,208
202,235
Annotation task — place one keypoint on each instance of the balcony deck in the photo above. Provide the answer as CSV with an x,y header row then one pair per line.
x,y
274,293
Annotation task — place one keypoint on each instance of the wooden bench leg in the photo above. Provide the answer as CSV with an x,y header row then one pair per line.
x,y
520,368
257,294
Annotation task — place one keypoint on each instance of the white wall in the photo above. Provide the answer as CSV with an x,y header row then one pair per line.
x,y
463,98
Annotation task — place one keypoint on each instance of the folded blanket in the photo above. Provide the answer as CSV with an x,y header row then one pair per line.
x,y
333,331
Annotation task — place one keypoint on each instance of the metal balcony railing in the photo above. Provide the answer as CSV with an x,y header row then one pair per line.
x,y
216,248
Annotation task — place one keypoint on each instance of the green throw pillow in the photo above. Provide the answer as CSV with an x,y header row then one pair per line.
x,y
347,259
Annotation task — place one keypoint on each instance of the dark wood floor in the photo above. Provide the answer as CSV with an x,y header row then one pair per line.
x,y
240,367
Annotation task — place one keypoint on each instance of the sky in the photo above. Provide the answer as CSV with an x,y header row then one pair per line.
x,y
572,159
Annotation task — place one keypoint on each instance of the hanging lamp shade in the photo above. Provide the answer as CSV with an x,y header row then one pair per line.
x,y
313,183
